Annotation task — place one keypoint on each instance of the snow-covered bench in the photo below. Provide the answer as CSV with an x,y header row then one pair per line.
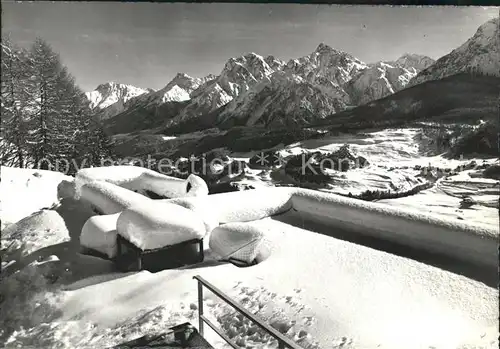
x,y
143,180
159,235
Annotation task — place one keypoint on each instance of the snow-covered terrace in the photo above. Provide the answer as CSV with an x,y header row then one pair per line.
x,y
340,273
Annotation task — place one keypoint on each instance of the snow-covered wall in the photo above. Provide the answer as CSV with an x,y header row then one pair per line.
x,y
458,239
454,238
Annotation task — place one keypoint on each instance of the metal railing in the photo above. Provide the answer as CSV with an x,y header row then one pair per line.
x,y
283,342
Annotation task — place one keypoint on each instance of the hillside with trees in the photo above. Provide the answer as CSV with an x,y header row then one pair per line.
x,y
46,119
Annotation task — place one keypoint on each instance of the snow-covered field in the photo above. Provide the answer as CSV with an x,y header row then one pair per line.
x,y
322,291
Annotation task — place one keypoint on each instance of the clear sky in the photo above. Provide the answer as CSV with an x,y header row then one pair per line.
x,y
146,44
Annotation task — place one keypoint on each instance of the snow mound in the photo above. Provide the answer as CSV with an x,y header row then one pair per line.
x,y
142,179
25,191
159,224
237,240
109,198
40,230
99,233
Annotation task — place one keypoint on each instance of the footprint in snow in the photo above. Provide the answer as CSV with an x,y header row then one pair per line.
x,y
302,335
342,342
308,320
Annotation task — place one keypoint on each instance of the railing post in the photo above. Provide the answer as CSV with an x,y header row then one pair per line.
x,y
283,342
200,307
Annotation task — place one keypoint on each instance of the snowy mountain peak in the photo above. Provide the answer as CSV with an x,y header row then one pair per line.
x,y
182,75
110,93
412,60
242,72
185,82
175,94
322,47
479,54
251,62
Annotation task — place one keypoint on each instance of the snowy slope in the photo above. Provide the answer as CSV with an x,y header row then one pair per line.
x,y
111,97
479,54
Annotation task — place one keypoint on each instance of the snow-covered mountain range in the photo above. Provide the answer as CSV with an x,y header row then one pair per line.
x,y
479,54
253,89
111,97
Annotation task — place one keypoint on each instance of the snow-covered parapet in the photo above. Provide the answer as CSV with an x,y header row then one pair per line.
x,y
159,224
424,231
109,198
99,233
141,179
458,239
240,241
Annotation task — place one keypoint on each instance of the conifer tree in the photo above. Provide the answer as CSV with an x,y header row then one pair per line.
x,y
14,104
46,86
46,118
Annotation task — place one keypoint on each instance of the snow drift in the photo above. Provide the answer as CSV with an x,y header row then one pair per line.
x,y
159,224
